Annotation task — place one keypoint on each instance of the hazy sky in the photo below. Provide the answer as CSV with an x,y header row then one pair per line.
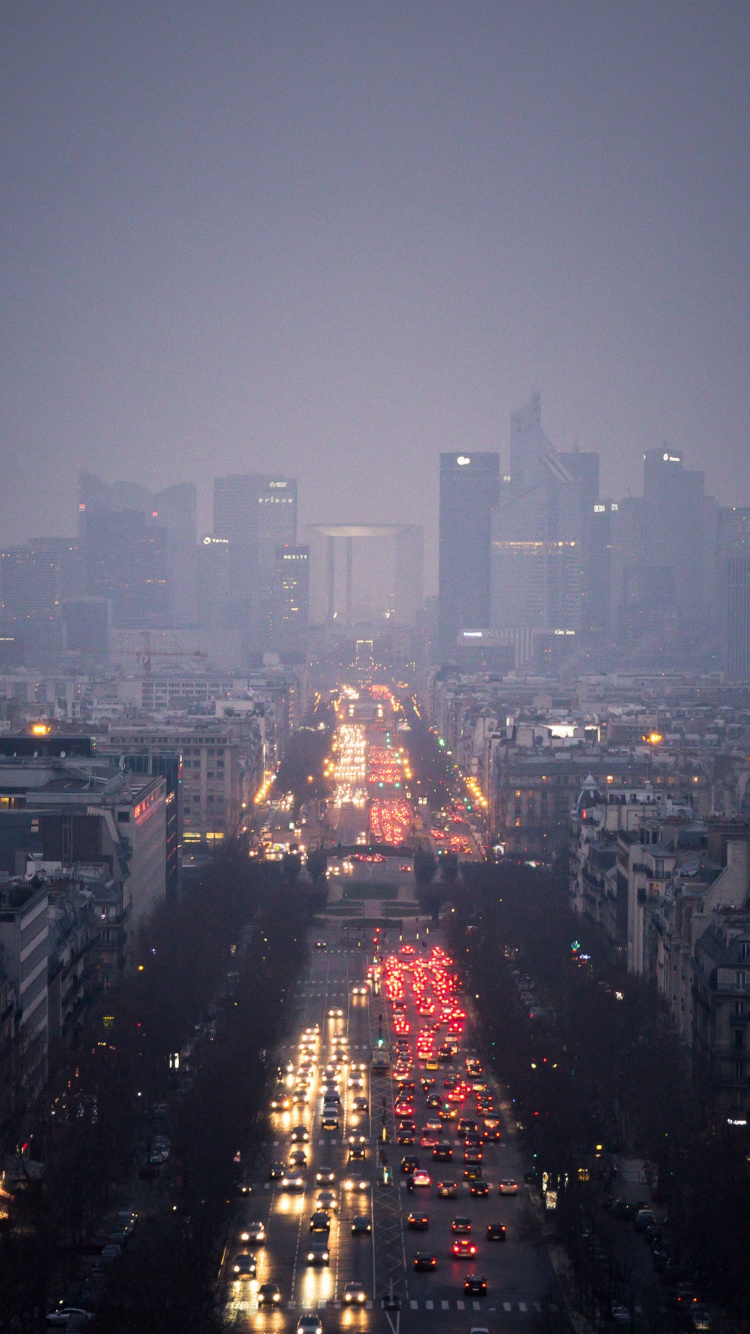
x,y
336,238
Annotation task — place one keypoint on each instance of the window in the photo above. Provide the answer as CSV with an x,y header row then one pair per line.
x,y
738,1070
739,1009
739,1038
744,954
740,980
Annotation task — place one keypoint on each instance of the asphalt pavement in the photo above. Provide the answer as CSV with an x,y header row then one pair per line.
x,y
520,1282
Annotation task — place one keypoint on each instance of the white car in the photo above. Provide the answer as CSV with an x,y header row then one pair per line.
x,y
508,1186
354,1294
309,1324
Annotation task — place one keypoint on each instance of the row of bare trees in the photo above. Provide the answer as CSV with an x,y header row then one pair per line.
x,y
599,1070
242,919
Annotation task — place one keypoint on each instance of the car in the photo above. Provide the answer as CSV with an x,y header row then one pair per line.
x,y
480,1189
330,1121
357,1154
447,1190
355,1183
360,990
508,1186
442,1153
621,1315
700,1319
269,1295
318,1253
461,1226
472,1172
464,1248
64,1314
643,1219
298,1158
496,1232
405,1139
421,1178
475,1285
300,1135
244,1266
325,1176
409,1164
301,1098
361,1225
425,1260
321,944
292,1181
418,1222
354,1294
335,1012
473,1155
310,1324
327,1200
320,1222
256,1233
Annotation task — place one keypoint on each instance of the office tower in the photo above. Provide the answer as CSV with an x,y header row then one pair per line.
x,y
257,514
469,486
538,527
126,562
597,568
734,590
173,511
290,607
176,509
34,579
674,527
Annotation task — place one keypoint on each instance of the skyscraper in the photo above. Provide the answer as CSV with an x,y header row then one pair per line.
x,y
734,591
290,606
171,512
469,485
538,527
257,514
674,527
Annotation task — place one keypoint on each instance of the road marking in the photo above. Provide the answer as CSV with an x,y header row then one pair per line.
x,y
522,1306
475,1305
459,1306
428,1306
414,1306
506,1306
445,1305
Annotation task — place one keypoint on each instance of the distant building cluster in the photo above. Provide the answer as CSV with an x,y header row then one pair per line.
x,y
536,566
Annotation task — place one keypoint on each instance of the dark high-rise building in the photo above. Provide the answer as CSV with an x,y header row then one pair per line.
x,y
674,522
469,486
734,590
166,562
126,562
34,580
256,514
539,529
290,607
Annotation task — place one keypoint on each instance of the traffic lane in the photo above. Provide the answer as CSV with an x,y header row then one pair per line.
x,y
511,1267
283,1259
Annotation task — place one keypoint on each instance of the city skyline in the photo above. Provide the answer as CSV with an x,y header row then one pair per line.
x,y
339,244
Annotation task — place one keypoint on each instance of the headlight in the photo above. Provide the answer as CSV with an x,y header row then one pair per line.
x,y
276,1297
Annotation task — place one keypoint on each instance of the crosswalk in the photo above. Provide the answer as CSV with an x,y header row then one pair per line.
x,y
509,1306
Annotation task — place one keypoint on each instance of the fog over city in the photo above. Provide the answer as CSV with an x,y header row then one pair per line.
x,y
374,667
333,240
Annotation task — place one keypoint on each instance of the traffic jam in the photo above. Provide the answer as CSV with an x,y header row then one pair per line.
x,y
447,1125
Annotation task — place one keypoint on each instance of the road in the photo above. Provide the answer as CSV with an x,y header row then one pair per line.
x,y
519,1276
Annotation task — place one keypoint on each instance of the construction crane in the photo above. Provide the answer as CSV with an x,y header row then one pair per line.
x,y
147,653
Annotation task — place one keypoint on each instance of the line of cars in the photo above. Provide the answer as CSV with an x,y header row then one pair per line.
x,y
294,1091
433,985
